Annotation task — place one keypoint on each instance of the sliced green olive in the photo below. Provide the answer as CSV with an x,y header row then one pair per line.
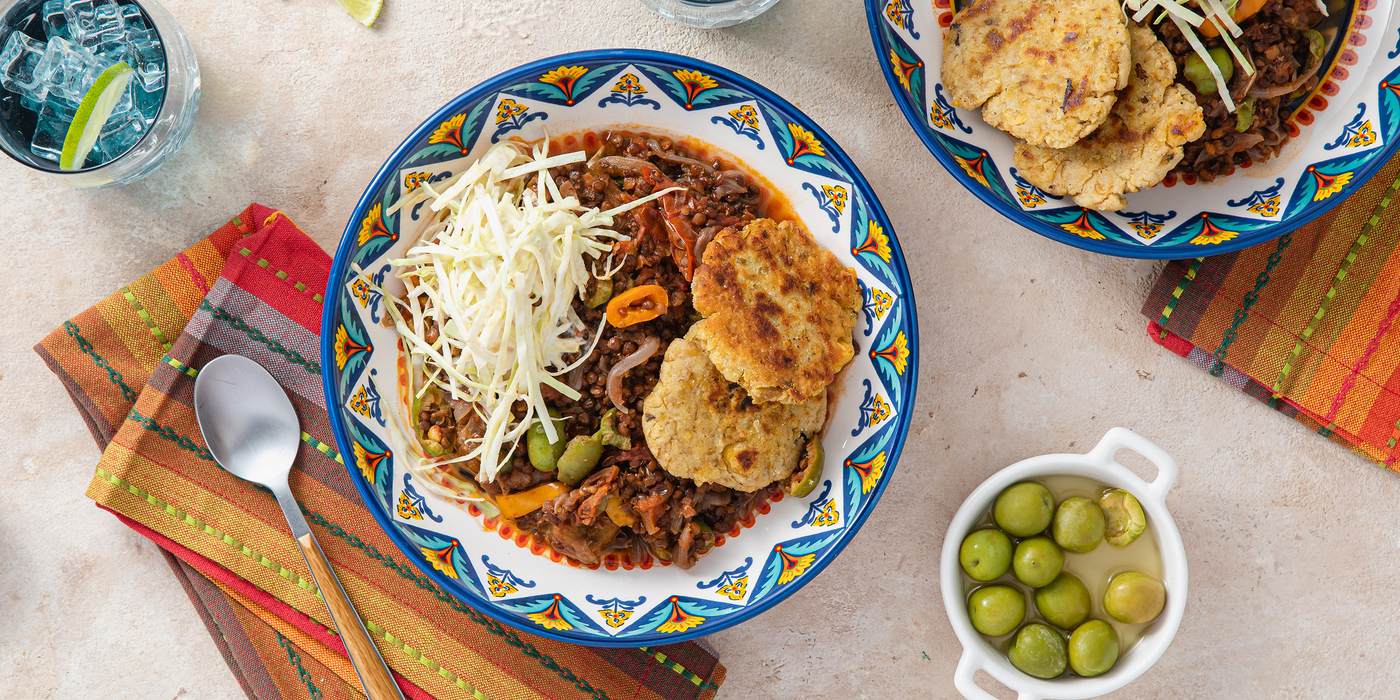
x,y
579,459
599,293
809,469
433,448
544,455
1124,516
607,432
1244,115
1199,73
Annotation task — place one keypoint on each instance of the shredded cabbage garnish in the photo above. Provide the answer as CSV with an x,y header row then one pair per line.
x,y
496,269
1218,12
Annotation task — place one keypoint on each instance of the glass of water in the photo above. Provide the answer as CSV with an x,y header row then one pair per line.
x,y
38,99
709,14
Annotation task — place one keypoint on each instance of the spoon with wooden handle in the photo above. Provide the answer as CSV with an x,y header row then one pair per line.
x,y
252,430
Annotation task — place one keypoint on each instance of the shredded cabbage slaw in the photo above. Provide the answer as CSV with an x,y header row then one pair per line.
x,y
496,268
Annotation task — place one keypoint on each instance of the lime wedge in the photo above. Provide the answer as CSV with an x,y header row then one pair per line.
x,y
92,114
366,11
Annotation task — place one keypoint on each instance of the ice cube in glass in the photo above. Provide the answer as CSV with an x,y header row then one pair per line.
x,y
51,130
18,61
148,58
55,21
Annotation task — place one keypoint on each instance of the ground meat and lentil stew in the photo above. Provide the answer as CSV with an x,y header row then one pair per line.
x,y
1278,43
629,504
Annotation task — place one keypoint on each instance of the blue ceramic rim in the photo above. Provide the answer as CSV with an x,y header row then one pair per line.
x,y
342,259
1253,238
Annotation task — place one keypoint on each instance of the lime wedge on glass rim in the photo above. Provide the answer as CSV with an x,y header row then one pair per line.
x,y
93,113
365,11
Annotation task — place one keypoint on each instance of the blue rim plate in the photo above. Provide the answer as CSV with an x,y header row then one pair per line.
x,y
1345,130
786,546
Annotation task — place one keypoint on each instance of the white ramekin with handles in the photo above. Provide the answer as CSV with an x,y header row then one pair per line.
x,y
1099,464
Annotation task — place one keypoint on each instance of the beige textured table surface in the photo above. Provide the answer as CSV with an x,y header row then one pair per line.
x,y
1027,347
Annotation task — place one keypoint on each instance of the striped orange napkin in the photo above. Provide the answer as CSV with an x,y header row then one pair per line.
x,y
255,287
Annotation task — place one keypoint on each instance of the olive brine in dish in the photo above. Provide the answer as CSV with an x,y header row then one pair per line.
x,y
1042,585
568,335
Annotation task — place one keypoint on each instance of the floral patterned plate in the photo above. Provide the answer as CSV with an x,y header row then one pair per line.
x,y
1342,134
503,572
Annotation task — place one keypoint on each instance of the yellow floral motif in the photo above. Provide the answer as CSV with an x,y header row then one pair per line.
x,y
441,559
895,11
373,226
680,620
450,131
407,509
564,78
411,181
1030,199
367,461
1211,234
615,618
1365,136
359,402
973,167
342,355
361,290
550,619
870,472
875,242
804,143
1149,231
499,586
793,566
897,353
695,83
939,118
904,70
629,83
1328,185
746,114
836,196
880,410
1267,207
829,515
736,589
882,301
509,109
1083,227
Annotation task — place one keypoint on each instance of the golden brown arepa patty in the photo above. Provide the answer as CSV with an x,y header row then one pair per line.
x,y
703,427
1045,72
779,310
1143,139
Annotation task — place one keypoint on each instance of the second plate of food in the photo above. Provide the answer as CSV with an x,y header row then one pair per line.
x,y
620,347
1142,129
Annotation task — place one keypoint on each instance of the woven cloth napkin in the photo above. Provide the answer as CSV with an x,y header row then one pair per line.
x,y
255,287
1303,323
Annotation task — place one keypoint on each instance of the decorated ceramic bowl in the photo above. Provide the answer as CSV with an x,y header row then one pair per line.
x,y
1341,135
1101,466
503,572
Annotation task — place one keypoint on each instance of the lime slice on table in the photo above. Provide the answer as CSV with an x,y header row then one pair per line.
x,y
366,11
93,113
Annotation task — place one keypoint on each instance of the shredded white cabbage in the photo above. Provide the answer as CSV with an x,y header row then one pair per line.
x,y
496,269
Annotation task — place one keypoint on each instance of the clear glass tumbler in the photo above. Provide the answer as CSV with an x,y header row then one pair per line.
x,y
709,14
166,134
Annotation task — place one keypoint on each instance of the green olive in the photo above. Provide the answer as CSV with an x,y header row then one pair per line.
x,y
1078,525
1064,602
609,434
809,470
599,292
544,455
1093,648
579,458
1039,651
1024,509
1134,598
1037,561
1124,519
996,610
985,554
1199,74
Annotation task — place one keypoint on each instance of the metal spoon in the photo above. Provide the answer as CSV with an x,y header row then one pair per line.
x,y
252,430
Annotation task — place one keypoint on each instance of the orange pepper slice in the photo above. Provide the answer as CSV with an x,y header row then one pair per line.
x,y
514,505
626,308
